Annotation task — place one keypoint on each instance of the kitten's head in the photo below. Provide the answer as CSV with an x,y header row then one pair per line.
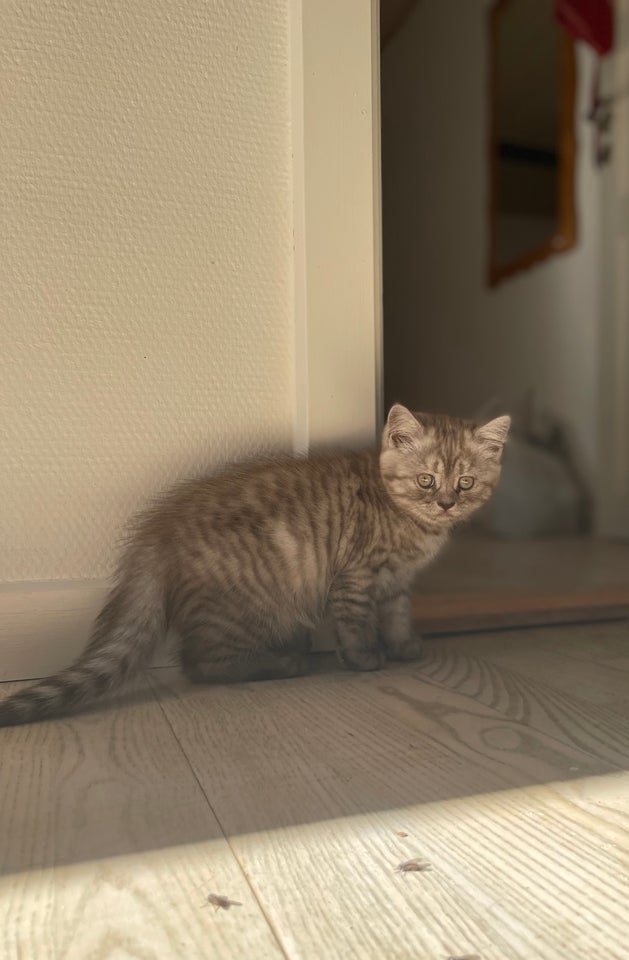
x,y
440,469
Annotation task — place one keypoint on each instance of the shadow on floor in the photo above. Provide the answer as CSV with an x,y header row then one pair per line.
x,y
168,764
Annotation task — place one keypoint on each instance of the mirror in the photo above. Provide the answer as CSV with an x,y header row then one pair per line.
x,y
531,150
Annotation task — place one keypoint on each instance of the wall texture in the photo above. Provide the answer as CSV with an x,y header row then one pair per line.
x,y
450,343
145,261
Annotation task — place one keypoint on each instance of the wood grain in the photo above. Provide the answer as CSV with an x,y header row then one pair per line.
x,y
594,729
501,759
599,684
492,609
109,846
313,780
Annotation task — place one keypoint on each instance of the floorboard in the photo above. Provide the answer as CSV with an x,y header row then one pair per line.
x,y
542,656
109,847
500,760
481,583
532,700
313,781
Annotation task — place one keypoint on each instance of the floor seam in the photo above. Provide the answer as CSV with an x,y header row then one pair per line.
x,y
241,867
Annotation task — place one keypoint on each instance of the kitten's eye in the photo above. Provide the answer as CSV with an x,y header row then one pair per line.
x,y
466,483
426,480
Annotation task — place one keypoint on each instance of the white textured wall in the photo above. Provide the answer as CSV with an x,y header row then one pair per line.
x,y
145,260
450,342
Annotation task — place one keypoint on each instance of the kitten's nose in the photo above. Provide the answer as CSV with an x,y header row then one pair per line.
x,y
446,504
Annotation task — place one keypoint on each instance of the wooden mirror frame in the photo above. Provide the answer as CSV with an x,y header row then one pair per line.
x,y
565,236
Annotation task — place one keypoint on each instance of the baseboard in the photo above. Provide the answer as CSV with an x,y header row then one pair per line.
x,y
45,625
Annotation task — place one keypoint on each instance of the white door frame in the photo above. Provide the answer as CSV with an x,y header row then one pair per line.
x,y
335,79
612,495
335,83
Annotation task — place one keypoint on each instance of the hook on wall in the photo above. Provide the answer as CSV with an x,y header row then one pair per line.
x,y
600,115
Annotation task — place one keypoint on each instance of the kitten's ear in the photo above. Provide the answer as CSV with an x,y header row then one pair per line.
x,y
495,432
402,430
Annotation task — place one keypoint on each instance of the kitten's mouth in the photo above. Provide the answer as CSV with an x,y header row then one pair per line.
x,y
446,518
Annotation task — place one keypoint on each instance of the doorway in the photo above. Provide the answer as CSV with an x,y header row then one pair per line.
x,y
496,198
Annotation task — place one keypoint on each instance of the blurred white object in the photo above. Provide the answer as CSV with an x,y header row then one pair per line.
x,y
540,493
536,495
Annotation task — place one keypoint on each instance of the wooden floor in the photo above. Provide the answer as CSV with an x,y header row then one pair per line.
x,y
501,759
483,583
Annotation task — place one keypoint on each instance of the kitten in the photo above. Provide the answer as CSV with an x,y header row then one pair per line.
x,y
244,564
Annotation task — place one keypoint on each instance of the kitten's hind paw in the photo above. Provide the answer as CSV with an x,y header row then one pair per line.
x,y
411,649
361,658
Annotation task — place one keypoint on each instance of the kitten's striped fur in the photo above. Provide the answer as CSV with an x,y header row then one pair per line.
x,y
243,564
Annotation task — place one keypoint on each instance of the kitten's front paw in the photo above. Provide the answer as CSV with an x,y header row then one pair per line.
x,y
361,658
411,649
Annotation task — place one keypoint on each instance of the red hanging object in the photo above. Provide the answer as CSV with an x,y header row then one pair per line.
x,y
589,20
592,21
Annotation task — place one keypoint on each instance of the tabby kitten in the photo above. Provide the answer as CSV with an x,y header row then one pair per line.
x,y
243,565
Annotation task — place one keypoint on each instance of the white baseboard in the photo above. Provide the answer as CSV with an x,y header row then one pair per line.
x,y
45,625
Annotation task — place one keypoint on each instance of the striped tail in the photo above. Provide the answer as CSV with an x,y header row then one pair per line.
x,y
124,637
